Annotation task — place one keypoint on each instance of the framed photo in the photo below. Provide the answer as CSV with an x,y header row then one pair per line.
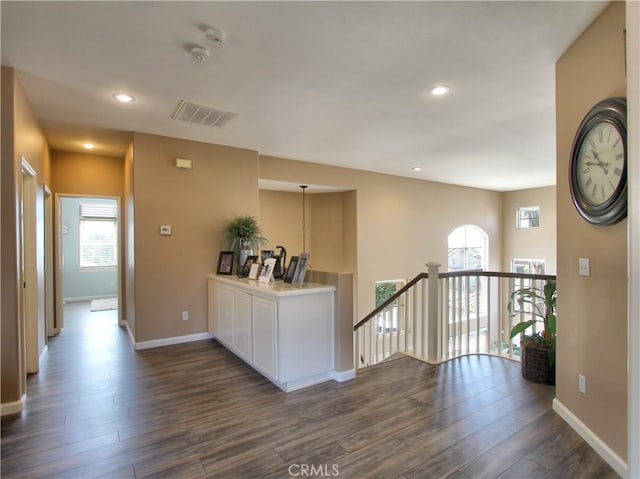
x,y
243,270
253,271
225,262
288,277
301,270
267,270
265,254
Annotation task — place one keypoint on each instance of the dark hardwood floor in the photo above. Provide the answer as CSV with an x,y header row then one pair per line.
x,y
98,409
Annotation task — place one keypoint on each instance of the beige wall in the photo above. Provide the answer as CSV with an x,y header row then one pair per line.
x,y
281,219
170,271
533,243
592,311
401,223
328,237
86,174
21,136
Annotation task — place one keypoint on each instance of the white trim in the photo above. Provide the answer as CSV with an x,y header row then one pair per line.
x,y
633,232
44,352
14,407
78,299
156,343
343,376
590,437
132,339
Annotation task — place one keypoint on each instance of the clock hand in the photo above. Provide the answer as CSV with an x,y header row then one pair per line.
x,y
601,164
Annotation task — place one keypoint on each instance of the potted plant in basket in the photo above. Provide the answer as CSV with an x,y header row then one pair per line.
x,y
244,236
538,350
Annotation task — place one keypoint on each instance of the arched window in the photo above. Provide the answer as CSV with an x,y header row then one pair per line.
x,y
468,248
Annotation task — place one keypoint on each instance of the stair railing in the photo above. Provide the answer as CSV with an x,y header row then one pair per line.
x,y
439,316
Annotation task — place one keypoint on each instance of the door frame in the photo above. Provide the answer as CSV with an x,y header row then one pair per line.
x,y
28,265
59,300
51,325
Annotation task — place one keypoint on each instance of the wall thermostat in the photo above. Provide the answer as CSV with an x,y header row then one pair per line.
x,y
165,230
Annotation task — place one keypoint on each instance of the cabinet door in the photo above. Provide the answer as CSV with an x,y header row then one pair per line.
x,y
265,347
242,326
225,316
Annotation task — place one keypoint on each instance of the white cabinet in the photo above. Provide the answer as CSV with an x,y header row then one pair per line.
x,y
285,333
265,322
242,325
225,316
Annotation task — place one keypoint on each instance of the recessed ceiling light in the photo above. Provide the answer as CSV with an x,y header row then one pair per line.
x,y
88,146
123,97
439,90
417,168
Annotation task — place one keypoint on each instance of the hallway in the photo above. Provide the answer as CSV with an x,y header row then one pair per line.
x,y
99,409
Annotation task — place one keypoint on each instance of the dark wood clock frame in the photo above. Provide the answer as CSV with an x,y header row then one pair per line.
x,y
613,210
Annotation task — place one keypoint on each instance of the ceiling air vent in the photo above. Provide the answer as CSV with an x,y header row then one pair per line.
x,y
202,115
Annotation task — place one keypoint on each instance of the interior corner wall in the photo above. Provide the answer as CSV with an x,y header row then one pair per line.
x,y
170,271
397,224
530,243
592,311
21,137
128,241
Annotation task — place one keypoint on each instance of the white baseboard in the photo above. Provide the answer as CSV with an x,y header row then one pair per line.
x,y
594,441
43,353
156,343
14,407
343,376
132,339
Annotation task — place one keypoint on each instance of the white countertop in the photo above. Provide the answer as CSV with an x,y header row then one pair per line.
x,y
275,288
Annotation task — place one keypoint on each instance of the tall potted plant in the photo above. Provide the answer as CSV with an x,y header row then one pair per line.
x,y
538,350
244,237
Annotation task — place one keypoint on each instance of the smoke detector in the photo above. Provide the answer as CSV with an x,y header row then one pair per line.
x,y
199,54
214,35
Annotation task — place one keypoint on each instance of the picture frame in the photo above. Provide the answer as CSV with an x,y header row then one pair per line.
x,y
253,271
225,263
243,270
288,277
301,270
265,254
266,275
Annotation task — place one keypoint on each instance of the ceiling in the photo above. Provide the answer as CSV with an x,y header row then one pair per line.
x,y
338,83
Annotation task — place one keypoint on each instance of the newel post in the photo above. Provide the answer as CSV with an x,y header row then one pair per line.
x,y
433,355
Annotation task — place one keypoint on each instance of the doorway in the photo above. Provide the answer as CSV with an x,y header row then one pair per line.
x,y
88,254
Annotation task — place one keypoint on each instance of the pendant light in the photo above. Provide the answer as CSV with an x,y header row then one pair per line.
x,y
304,225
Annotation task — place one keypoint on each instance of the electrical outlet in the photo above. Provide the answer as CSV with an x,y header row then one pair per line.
x,y
185,315
582,384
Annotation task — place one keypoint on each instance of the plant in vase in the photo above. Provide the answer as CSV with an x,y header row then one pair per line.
x,y
538,349
244,236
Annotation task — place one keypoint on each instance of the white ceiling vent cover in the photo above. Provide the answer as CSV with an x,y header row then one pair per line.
x,y
202,115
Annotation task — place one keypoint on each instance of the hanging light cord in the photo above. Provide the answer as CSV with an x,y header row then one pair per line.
x,y
304,225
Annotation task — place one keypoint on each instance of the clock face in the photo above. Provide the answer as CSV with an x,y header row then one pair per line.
x,y
597,167
600,164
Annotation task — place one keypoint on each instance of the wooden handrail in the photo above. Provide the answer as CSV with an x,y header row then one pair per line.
x,y
499,274
395,296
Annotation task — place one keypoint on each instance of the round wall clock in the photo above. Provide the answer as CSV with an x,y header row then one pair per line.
x,y
598,167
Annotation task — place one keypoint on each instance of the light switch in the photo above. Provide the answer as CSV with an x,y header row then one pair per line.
x,y
583,267
165,230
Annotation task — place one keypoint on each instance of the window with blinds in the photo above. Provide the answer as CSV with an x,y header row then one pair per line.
x,y
98,235
528,217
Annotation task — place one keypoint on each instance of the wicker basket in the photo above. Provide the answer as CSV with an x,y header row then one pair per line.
x,y
535,365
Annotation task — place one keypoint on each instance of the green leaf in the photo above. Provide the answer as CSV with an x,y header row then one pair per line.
x,y
522,327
